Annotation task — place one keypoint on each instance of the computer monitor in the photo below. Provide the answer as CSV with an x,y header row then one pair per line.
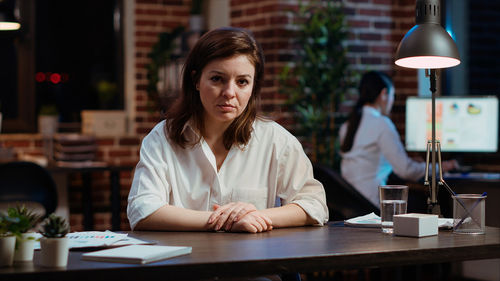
x,y
463,123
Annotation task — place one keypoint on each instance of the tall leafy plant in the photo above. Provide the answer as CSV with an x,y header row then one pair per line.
x,y
318,78
161,54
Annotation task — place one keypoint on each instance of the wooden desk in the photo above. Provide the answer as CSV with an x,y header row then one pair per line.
x,y
303,249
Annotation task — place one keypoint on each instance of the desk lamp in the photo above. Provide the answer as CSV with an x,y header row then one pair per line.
x,y
428,46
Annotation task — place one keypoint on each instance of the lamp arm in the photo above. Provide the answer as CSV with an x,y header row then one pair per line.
x,y
433,206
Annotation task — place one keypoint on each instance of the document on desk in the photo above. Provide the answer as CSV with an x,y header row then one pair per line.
x,y
137,254
90,239
372,220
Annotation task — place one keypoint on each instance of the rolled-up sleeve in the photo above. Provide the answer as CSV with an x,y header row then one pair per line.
x,y
150,188
297,183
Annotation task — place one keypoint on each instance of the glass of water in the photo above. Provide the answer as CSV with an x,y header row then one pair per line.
x,y
393,201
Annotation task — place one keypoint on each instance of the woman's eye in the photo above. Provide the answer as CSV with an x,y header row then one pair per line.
x,y
243,82
216,78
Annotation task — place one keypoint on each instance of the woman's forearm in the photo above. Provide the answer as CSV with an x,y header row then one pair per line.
x,y
288,216
175,218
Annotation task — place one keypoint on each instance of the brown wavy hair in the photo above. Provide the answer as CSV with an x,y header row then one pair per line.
x,y
219,43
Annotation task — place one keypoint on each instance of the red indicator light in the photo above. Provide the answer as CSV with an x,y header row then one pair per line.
x,y
40,77
55,78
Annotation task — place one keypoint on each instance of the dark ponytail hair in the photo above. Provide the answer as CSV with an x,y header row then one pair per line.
x,y
370,86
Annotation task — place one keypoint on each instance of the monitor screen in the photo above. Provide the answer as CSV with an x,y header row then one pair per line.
x,y
463,123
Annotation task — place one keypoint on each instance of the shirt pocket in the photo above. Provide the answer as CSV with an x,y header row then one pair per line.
x,y
256,196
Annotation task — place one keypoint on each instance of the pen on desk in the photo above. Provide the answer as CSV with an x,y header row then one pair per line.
x,y
471,209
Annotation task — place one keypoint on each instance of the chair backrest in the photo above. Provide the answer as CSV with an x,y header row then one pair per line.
x,y
343,200
27,182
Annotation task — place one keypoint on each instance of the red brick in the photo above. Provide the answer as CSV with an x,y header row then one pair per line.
x,y
370,36
119,153
383,24
358,23
370,12
130,141
17,143
105,141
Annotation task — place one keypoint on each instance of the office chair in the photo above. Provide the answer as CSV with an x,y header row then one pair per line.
x,y
343,200
26,182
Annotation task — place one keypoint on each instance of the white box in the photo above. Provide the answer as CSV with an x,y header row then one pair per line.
x,y
415,225
104,122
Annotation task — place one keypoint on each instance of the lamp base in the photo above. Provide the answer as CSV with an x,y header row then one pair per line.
x,y
433,208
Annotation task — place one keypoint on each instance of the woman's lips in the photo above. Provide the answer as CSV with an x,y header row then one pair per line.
x,y
226,107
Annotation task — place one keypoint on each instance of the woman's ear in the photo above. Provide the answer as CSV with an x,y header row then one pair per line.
x,y
384,96
197,83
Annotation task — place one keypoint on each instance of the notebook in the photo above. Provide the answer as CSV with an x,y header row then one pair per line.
x,y
137,254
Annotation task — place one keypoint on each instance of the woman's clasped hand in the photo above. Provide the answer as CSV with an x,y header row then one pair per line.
x,y
239,217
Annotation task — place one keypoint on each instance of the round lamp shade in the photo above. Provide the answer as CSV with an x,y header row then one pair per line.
x,y
427,46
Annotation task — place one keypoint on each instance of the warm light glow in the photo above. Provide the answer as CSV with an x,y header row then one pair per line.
x,y
5,25
427,62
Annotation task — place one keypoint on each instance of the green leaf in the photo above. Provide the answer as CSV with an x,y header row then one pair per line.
x,y
319,77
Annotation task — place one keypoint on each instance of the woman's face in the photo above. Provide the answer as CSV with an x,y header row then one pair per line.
x,y
225,87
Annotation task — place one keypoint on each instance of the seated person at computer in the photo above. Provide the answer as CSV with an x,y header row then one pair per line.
x,y
371,147
214,164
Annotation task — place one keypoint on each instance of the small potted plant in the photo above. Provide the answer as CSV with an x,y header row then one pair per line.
x,y
25,238
54,243
48,120
7,239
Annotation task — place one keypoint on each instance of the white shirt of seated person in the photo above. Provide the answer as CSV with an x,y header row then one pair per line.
x,y
272,165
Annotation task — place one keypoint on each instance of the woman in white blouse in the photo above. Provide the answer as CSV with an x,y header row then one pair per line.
x,y
213,164
371,147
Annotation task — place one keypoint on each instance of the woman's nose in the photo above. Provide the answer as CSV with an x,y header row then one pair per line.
x,y
229,90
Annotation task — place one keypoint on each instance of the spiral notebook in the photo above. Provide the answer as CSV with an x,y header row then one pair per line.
x,y
140,254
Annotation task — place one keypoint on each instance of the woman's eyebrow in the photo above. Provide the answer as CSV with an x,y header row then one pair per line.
x,y
223,73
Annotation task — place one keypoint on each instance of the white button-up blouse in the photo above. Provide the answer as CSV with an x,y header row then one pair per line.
x,y
377,150
271,166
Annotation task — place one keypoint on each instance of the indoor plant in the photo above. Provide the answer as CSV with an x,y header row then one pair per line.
x,y
318,77
162,53
25,239
54,243
7,239
48,120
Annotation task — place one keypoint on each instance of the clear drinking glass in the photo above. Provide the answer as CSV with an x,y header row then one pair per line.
x,y
393,201
469,213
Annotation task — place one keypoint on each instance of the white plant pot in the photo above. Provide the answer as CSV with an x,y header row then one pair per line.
x,y
25,247
47,125
7,246
54,252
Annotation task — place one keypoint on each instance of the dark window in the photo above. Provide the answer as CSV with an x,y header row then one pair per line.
x,y
76,48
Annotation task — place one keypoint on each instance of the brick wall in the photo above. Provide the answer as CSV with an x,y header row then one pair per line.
x,y
376,27
151,18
